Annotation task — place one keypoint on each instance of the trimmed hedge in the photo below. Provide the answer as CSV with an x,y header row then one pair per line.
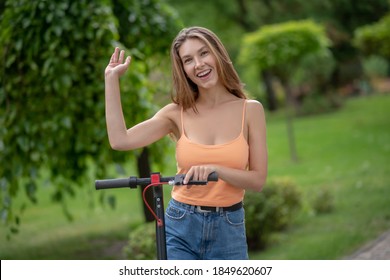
x,y
270,211
142,243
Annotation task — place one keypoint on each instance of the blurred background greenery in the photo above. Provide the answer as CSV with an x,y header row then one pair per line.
x,y
321,69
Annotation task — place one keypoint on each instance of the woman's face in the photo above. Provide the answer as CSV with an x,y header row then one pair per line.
x,y
199,63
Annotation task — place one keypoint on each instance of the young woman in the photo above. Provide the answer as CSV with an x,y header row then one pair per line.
x,y
216,129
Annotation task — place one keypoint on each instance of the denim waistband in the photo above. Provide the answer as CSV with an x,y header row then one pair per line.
x,y
208,209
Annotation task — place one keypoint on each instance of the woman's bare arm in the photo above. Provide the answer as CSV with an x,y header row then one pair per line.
x,y
141,135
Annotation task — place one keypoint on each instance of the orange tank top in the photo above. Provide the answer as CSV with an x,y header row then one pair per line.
x,y
233,154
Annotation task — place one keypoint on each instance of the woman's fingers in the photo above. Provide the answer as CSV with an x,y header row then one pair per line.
x,y
121,56
198,173
117,56
128,60
117,62
188,176
112,59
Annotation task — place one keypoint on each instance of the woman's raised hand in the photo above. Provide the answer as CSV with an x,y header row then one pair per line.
x,y
116,65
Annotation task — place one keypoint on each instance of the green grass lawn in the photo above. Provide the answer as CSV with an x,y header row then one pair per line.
x,y
347,152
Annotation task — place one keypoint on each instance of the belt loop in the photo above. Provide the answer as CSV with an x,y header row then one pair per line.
x,y
192,209
220,210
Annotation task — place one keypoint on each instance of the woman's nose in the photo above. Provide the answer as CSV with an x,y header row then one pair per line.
x,y
198,63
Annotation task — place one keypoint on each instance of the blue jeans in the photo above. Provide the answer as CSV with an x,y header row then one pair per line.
x,y
194,235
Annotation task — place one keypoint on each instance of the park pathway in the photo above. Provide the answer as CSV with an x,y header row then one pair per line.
x,y
378,249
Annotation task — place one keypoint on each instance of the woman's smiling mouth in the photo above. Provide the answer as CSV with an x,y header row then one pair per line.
x,y
203,74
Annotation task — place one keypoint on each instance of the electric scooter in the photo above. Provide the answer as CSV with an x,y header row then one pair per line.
x,y
156,181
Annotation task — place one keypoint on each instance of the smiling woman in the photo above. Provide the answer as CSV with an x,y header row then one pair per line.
x,y
199,64
217,129
185,90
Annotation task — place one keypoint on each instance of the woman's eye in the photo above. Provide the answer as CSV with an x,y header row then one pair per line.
x,y
204,53
188,60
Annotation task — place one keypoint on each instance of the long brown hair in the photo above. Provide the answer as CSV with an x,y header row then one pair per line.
x,y
185,92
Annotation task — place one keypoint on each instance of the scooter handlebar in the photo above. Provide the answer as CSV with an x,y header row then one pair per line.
x,y
133,182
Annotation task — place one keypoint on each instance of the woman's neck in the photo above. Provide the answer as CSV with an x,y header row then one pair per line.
x,y
214,96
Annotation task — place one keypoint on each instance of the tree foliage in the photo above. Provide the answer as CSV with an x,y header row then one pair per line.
x,y
347,15
374,39
53,56
51,113
147,26
340,18
278,46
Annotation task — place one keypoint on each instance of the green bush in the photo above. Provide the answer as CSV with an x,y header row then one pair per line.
x,y
270,211
280,45
316,103
374,38
376,66
142,243
323,201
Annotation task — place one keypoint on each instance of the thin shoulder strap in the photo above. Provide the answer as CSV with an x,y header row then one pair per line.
x,y
243,116
182,120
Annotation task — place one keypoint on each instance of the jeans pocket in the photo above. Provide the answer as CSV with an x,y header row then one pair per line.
x,y
235,218
175,213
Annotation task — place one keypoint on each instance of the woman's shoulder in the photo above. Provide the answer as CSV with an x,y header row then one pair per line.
x,y
255,110
170,111
170,107
254,105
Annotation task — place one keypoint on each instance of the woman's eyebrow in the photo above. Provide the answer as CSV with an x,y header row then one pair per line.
x,y
199,50
185,56
203,48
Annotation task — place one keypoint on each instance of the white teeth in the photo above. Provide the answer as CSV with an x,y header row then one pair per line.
x,y
204,73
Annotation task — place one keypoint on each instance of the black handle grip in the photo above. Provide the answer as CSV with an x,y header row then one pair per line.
x,y
213,177
180,177
112,183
